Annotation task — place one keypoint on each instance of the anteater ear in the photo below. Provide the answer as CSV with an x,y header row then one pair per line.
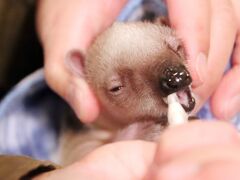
x,y
75,62
162,20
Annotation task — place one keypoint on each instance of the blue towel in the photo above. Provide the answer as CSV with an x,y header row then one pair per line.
x,y
30,114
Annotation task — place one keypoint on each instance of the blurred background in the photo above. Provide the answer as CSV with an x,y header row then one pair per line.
x,y
20,51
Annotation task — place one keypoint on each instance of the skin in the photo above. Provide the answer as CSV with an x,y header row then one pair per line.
x,y
201,35
213,154
196,22
72,28
126,78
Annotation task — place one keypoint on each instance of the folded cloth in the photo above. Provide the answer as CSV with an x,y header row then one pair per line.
x,y
31,114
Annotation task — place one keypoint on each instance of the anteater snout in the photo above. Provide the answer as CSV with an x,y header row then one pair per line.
x,y
174,78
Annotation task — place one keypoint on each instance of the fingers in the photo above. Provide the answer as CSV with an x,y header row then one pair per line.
x,y
213,162
201,25
75,21
191,20
195,150
72,86
220,170
130,159
72,25
194,135
226,99
219,53
222,15
121,160
205,148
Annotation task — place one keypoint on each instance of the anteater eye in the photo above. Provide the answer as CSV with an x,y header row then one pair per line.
x,y
115,84
116,89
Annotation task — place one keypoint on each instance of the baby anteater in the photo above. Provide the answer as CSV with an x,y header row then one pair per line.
x,y
131,67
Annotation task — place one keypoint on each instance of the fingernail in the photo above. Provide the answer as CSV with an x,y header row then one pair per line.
x,y
201,69
75,62
232,107
176,171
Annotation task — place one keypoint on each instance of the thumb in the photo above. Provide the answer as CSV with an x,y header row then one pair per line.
x,y
226,99
225,102
66,26
67,79
191,21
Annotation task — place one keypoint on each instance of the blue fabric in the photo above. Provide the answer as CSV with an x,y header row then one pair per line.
x,y
30,115
29,119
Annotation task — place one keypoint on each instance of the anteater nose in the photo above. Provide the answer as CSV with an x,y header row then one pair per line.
x,y
174,78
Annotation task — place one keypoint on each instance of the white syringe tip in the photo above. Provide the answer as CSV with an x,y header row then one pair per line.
x,y
176,113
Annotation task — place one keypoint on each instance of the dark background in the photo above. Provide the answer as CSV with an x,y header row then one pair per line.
x,y
20,50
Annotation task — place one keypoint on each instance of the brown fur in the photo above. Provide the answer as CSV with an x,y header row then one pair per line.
x,y
133,56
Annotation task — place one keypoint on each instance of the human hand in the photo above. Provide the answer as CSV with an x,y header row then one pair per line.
x,y
200,150
209,29
197,150
66,29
